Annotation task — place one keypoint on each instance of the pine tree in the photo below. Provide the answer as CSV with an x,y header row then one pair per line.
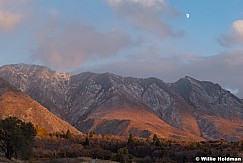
x,y
130,139
156,140
86,141
68,134
155,137
16,137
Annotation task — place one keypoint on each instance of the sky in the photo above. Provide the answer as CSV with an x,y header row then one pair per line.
x,y
139,38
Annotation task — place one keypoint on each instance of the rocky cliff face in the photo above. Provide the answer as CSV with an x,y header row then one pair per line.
x,y
85,100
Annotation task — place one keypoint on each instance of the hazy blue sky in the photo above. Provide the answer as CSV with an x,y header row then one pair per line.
x,y
139,38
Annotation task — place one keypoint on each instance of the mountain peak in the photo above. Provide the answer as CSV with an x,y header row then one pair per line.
x,y
189,79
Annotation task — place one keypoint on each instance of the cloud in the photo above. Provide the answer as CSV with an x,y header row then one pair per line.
x,y
145,3
235,37
67,45
224,68
8,19
146,15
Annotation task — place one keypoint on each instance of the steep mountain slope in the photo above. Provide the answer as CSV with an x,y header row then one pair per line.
x,y
16,103
209,98
219,114
101,102
42,84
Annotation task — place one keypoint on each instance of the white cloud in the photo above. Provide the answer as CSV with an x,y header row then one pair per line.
x,y
235,37
67,45
147,15
238,28
8,18
145,3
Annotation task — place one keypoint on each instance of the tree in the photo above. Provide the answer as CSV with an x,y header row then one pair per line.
x,y
86,142
130,139
68,134
16,137
156,140
122,151
91,134
155,137
41,131
122,155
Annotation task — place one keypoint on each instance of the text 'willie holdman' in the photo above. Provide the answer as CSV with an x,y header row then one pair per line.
x,y
219,159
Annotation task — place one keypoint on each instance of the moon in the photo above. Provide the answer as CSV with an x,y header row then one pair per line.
x,y
187,16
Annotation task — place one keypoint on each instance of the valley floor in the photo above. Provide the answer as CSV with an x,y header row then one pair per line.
x,y
94,148
61,160
124,149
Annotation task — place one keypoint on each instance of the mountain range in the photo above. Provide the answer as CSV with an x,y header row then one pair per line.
x,y
106,103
